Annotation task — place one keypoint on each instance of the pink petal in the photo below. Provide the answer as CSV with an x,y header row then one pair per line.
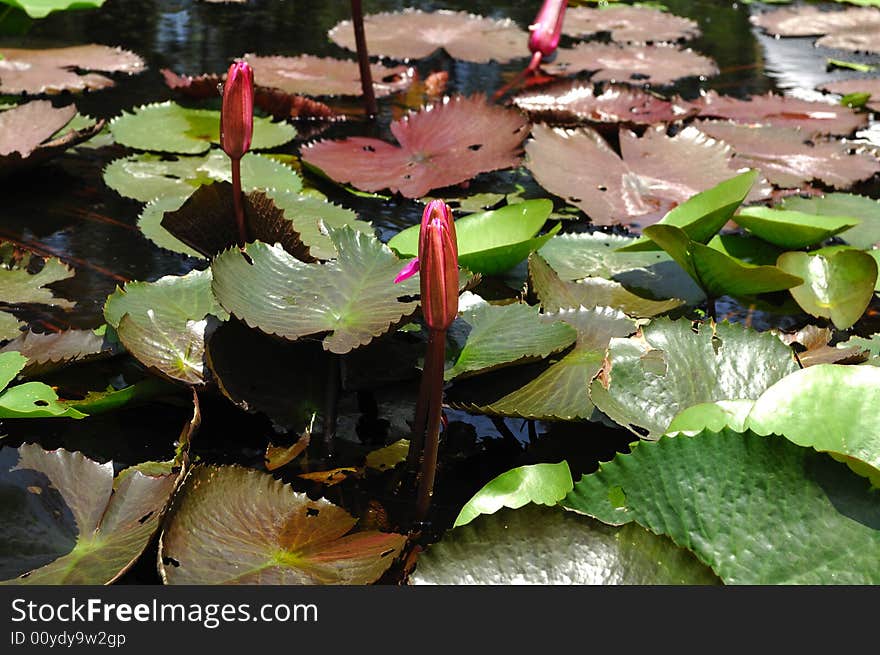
x,y
407,271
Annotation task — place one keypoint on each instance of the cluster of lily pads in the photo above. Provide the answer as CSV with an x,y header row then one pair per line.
x,y
755,455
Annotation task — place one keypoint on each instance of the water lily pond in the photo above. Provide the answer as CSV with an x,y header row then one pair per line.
x,y
590,302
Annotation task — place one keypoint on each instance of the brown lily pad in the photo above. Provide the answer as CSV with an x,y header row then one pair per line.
x,y
443,144
48,352
783,111
324,76
788,157
55,69
629,24
655,173
857,85
414,34
816,350
277,103
855,28
231,525
640,64
278,456
573,102
206,222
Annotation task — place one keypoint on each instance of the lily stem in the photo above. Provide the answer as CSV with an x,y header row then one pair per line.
x,y
357,21
710,308
237,202
331,402
431,435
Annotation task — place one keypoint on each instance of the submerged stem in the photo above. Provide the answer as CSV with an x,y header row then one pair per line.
x,y
331,402
434,401
357,21
237,202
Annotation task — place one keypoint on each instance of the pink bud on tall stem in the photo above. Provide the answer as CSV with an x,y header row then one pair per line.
x,y
237,129
437,266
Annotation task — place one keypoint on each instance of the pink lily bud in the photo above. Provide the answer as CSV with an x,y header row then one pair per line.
x,y
547,28
237,113
438,264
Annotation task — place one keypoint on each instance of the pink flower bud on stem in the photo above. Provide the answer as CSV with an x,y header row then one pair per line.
x,y
237,129
437,266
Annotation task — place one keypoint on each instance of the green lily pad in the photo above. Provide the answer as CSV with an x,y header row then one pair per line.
x,y
542,484
669,367
701,216
717,272
830,407
231,525
544,545
10,327
146,177
556,294
18,285
758,510
559,392
163,323
31,399
388,457
647,273
501,335
712,416
68,521
109,400
42,8
865,235
871,344
792,229
490,242
150,224
354,297
838,282
168,127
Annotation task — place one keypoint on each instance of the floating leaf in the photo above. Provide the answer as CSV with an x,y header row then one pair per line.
x,y
501,335
815,340
55,69
441,145
655,173
854,28
832,408
764,511
163,323
24,127
206,222
168,127
791,229
331,477
543,545
278,456
637,24
653,273
42,8
19,285
67,521
150,224
388,457
490,242
231,525
782,111
636,64
31,399
651,377
868,85
712,416
541,484
573,102
789,158
838,282
146,177
414,34
865,235
559,391
555,293
54,350
10,327
324,76
353,297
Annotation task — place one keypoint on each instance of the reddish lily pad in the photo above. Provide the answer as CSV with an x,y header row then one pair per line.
x,y
789,158
782,111
444,144
232,525
413,34
575,102
68,521
654,175
48,352
870,85
629,24
641,64
324,76
855,28
55,70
